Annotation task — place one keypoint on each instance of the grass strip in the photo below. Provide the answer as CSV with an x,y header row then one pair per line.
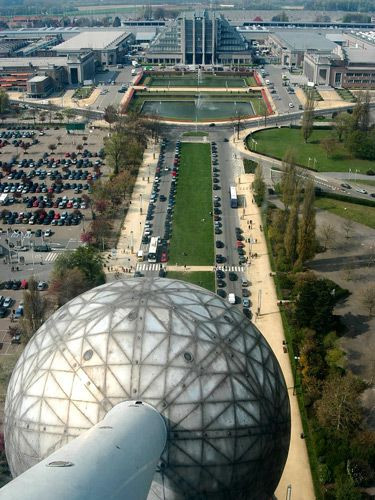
x,y
192,240
205,279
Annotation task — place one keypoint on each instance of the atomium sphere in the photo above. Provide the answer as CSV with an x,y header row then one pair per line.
x,y
182,349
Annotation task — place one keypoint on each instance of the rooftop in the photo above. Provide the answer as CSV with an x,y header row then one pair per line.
x,y
38,78
360,55
304,40
96,40
14,62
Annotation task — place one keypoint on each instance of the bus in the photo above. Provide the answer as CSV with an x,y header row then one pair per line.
x,y
233,197
153,249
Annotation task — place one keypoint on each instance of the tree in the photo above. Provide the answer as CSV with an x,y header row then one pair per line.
x,y
291,233
281,17
110,115
259,186
52,147
116,22
159,13
339,408
308,117
329,144
328,234
79,148
348,225
368,299
67,284
314,306
343,124
115,149
34,310
289,180
69,113
306,233
4,102
87,259
42,117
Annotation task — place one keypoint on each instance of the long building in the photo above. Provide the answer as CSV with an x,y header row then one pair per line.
x,y
199,37
350,65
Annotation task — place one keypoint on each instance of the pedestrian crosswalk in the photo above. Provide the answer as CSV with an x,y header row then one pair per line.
x,y
155,267
51,256
238,269
148,267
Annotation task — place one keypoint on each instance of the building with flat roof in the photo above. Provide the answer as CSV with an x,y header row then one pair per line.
x,y
350,65
72,69
109,47
289,47
199,37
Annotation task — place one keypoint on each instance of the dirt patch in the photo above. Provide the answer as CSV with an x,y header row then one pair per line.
x,y
350,262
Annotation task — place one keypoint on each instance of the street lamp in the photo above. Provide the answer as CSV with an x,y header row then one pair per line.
x,y
296,359
131,242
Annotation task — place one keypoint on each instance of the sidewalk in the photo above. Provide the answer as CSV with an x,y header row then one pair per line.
x,y
263,295
123,259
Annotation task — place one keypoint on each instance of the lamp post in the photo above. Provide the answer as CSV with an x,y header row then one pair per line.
x,y
131,242
296,359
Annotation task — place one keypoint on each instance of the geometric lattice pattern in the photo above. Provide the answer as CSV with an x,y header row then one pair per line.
x,y
182,349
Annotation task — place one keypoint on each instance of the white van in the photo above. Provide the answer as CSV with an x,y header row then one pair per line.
x,y
140,256
231,298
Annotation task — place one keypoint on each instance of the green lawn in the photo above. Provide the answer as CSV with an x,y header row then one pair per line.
x,y
276,142
358,213
83,92
192,240
206,279
365,181
191,81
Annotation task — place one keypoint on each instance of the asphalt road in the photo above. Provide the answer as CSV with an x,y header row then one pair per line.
x,y
229,165
275,77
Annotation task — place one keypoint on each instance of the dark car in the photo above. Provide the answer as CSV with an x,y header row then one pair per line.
x,y
219,244
221,293
233,276
162,273
245,292
220,274
3,312
247,312
220,259
221,283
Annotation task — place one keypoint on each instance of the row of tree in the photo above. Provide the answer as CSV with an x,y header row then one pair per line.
x,y
331,394
292,231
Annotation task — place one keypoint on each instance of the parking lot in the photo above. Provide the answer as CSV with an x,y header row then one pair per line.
x,y
45,199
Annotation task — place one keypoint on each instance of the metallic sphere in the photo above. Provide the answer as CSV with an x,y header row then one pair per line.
x,y
198,360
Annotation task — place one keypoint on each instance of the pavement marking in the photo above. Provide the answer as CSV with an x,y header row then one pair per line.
x,y
148,267
239,269
51,256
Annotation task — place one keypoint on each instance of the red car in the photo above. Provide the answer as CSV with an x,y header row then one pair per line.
x,y
239,244
164,257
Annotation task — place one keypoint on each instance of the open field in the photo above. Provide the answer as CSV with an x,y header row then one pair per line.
x,y
276,142
192,240
367,182
206,279
357,213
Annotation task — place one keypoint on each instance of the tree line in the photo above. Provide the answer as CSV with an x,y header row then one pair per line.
x,y
330,393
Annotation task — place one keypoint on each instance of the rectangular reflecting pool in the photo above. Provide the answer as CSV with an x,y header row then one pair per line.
x,y
199,109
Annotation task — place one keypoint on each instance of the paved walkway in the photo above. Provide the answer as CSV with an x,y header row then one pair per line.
x,y
297,470
123,259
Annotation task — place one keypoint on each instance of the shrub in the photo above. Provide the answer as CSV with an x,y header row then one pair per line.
x,y
370,172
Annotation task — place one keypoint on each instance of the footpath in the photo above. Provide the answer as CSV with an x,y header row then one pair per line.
x,y
122,260
296,479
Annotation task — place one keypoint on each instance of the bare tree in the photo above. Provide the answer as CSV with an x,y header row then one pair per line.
x,y
348,227
327,234
368,299
308,117
35,310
